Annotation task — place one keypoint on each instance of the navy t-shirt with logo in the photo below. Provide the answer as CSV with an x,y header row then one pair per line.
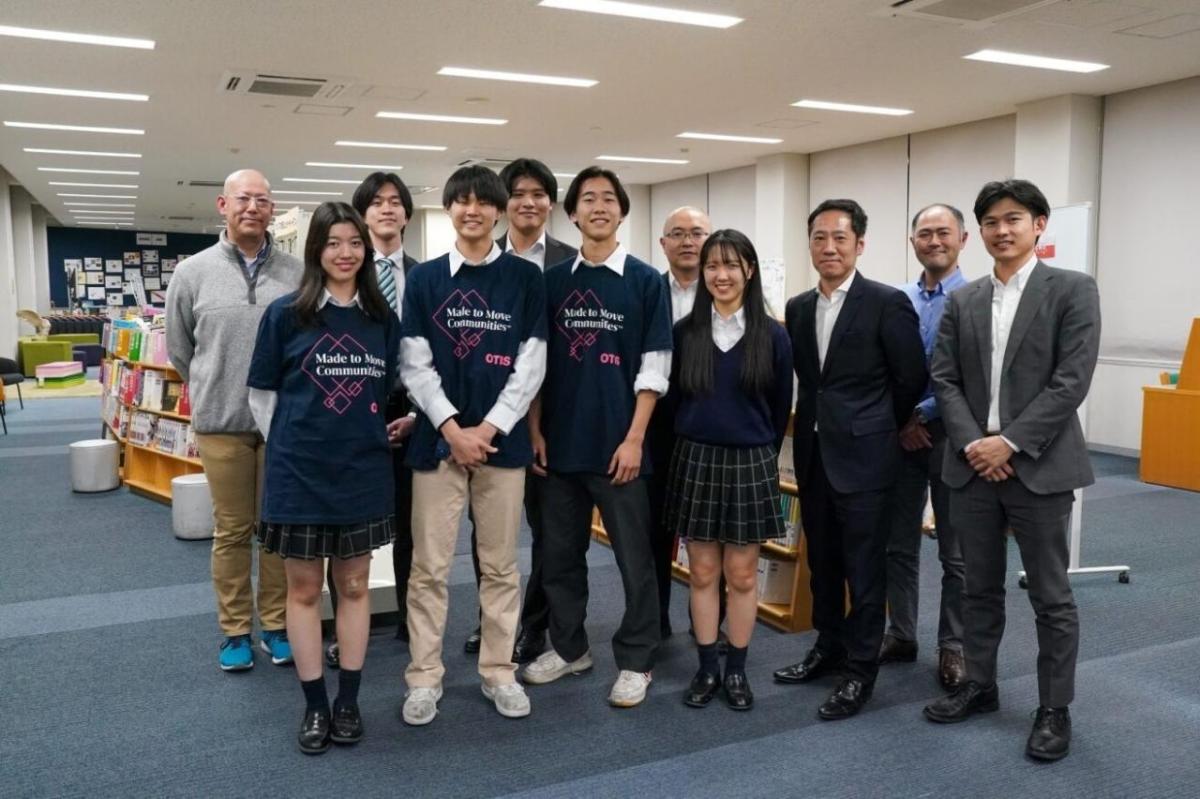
x,y
328,460
601,323
474,321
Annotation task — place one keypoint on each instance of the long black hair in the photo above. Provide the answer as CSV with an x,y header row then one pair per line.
x,y
312,283
696,343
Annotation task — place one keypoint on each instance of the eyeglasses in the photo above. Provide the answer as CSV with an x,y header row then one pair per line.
x,y
680,235
245,200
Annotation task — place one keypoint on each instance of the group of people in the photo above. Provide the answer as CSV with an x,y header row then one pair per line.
x,y
358,398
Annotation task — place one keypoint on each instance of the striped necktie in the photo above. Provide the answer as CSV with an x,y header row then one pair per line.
x,y
387,283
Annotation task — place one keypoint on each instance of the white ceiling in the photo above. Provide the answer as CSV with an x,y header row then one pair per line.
x,y
655,80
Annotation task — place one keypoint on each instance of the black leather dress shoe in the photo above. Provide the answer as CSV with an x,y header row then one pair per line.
x,y
737,691
333,657
846,700
471,645
968,700
314,732
1051,736
346,726
703,688
952,670
894,650
529,645
815,664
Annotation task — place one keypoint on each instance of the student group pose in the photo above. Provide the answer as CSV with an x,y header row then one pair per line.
x,y
512,361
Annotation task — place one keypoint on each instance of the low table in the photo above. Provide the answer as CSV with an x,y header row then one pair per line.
x,y
60,374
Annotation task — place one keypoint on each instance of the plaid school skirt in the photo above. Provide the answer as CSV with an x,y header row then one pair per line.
x,y
725,494
311,541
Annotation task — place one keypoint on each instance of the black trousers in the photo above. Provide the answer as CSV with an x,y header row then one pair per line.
x,y
625,510
983,512
660,440
847,537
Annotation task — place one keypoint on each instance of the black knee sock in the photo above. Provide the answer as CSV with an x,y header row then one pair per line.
x,y
348,682
735,659
315,695
709,661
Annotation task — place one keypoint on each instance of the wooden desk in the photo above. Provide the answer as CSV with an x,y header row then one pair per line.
x,y
1171,424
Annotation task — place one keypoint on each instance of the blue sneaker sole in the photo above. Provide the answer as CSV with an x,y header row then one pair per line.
x,y
238,667
277,661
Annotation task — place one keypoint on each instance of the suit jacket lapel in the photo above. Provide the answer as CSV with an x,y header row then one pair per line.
x,y
1032,297
845,317
980,306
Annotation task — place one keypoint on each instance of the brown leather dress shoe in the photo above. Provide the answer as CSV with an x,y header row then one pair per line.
x,y
952,669
894,650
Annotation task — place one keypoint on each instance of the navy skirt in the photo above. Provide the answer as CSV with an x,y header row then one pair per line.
x,y
725,494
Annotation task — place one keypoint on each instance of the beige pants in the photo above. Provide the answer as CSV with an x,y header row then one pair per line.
x,y
233,464
439,498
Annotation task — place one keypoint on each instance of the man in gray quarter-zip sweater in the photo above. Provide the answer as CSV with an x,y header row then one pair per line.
x,y
214,303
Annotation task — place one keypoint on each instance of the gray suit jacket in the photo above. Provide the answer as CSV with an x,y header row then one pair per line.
x,y
1048,365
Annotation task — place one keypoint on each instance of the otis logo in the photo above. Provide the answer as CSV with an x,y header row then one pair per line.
x,y
498,360
610,357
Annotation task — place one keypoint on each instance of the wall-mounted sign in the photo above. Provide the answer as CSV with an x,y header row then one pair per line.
x,y
152,239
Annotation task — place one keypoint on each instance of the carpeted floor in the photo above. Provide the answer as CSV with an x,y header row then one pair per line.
x,y
109,641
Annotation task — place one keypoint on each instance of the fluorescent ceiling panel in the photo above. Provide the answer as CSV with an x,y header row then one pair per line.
x,y
95,95
729,137
641,11
76,38
824,105
1035,61
516,77
390,146
637,160
440,118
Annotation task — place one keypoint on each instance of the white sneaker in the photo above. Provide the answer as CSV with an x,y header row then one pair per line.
x,y
509,698
630,688
549,667
420,705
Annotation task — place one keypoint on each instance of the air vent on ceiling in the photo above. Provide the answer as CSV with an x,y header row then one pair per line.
x,y
968,13
180,218
207,184
251,82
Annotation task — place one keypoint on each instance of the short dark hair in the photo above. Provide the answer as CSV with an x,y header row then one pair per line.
x,y
478,180
1022,192
587,174
954,212
312,280
858,217
372,185
529,168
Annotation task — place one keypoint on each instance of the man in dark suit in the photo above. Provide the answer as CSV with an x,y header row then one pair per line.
x,y
532,192
386,205
860,367
1012,364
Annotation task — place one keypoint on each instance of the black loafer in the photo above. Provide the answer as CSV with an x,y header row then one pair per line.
x,y
1051,736
702,690
529,645
346,726
815,664
314,732
737,691
846,700
471,645
333,657
968,700
893,650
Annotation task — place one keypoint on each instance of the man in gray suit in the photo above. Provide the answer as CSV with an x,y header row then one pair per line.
x,y
1012,364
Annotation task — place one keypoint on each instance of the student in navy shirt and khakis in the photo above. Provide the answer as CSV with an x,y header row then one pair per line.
x,y
609,361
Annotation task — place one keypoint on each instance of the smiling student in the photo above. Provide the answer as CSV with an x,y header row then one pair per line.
x,y
473,356
732,393
609,362
323,367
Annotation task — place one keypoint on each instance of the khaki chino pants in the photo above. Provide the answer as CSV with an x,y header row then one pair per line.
x,y
439,497
233,464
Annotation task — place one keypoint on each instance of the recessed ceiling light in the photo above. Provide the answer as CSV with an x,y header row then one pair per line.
x,y
82,152
390,146
855,109
321,180
440,118
101,196
76,38
335,165
97,212
303,202
432,208
727,137
77,128
92,185
99,222
639,11
517,77
637,160
104,205
12,87
1036,61
313,193
87,171
564,174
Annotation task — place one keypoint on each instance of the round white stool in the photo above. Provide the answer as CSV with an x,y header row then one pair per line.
x,y
94,465
191,507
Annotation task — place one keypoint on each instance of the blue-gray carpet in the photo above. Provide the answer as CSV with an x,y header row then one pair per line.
x,y
108,639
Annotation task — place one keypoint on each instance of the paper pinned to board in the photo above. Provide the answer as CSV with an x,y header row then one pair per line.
x,y
774,283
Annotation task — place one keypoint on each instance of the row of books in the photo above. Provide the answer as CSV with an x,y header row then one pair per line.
x,y
165,435
136,341
775,577
145,388
791,523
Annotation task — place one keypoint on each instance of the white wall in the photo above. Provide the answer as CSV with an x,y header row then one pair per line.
x,y
41,259
731,199
8,278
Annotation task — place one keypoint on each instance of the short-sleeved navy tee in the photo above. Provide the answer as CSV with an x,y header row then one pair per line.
x,y
328,460
601,323
475,322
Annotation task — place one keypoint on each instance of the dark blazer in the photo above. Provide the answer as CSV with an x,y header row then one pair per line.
x,y
1048,364
873,376
556,251
398,402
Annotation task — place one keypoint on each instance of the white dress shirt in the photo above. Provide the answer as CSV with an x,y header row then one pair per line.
x,y
682,297
425,385
397,259
828,310
536,254
655,371
728,331
1005,299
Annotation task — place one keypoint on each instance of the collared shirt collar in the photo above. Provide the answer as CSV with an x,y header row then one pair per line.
x,y
263,253
326,297
949,284
540,244
396,258
1018,280
842,289
675,284
457,259
615,261
738,319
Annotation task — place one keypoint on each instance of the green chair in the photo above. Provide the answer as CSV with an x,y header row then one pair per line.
x,y
35,352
